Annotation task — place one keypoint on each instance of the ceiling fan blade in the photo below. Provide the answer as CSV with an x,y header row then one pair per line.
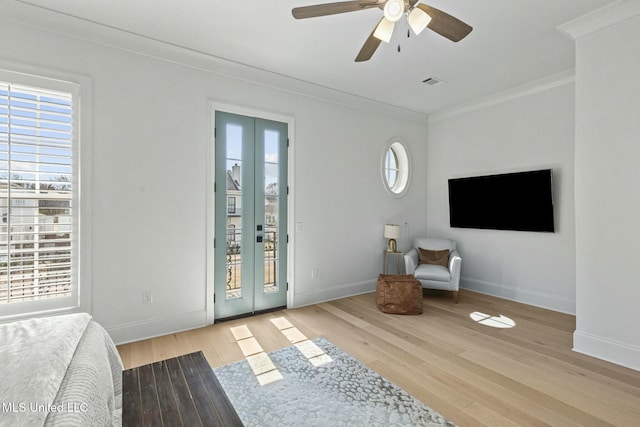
x,y
332,8
370,46
445,24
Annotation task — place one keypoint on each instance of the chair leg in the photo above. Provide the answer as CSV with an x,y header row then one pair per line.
x,y
455,296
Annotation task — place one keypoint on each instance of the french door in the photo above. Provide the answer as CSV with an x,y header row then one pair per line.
x,y
250,265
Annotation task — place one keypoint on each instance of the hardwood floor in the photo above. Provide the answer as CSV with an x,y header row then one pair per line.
x,y
471,373
181,391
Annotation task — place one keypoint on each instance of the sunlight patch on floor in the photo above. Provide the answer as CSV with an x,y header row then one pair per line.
x,y
313,353
259,361
500,321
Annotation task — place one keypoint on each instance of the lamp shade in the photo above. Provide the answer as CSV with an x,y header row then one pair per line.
x,y
391,231
384,30
418,20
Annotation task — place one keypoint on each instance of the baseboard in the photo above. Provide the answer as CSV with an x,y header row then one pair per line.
x,y
333,293
538,299
607,349
136,331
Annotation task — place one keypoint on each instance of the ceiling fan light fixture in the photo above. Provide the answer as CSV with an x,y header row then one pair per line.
x,y
447,26
384,30
393,10
418,20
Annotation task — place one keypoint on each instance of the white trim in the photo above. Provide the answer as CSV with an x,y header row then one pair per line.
x,y
214,106
607,349
334,293
80,86
404,167
525,296
536,86
599,19
210,225
85,189
151,328
25,13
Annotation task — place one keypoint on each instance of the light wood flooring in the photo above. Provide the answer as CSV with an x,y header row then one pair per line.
x,y
471,373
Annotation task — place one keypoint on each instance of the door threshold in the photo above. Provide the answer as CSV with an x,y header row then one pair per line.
x,y
255,313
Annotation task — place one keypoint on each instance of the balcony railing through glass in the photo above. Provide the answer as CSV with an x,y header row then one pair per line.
x,y
234,262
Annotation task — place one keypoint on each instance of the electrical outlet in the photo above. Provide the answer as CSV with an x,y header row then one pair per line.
x,y
147,297
315,274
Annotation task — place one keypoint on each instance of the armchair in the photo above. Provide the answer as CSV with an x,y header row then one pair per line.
x,y
433,276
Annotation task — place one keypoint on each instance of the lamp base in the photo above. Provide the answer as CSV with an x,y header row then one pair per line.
x,y
391,247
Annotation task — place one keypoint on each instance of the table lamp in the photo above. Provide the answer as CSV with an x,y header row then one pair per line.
x,y
391,232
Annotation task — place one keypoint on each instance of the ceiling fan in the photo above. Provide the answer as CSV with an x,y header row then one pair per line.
x,y
419,17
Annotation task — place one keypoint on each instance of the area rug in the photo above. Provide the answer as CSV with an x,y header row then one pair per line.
x,y
340,391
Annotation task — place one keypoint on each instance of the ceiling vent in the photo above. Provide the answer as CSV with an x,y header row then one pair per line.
x,y
432,81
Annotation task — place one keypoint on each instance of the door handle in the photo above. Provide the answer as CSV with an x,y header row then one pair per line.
x,y
259,230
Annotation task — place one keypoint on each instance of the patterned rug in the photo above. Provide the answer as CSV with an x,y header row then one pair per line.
x,y
317,384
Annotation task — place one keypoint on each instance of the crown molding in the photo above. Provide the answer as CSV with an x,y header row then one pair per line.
x,y
604,17
536,86
24,13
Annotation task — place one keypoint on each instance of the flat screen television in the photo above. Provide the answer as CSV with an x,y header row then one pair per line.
x,y
521,201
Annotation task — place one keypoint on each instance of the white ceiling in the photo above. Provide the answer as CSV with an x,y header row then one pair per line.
x,y
513,42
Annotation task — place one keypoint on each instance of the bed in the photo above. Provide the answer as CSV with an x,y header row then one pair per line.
x,y
59,371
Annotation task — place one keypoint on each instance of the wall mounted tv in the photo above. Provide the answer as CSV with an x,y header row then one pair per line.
x,y
521,201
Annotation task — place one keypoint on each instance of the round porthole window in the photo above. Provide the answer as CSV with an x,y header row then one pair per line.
x,y
395,168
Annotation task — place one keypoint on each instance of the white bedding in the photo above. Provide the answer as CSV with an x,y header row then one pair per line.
x,y
60,370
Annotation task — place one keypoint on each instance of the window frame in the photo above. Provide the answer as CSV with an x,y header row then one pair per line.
x,y
402,181
231,204
80,89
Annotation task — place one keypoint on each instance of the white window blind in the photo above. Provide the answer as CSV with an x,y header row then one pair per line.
x,y
36,193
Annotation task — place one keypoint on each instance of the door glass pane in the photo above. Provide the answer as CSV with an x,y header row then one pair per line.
x,y
234,211
271,203
250,215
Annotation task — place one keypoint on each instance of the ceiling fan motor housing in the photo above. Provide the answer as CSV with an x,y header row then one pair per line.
x,y
393,10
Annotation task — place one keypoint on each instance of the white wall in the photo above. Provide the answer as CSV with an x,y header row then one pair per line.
x,y
149,174
526,129
608,187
